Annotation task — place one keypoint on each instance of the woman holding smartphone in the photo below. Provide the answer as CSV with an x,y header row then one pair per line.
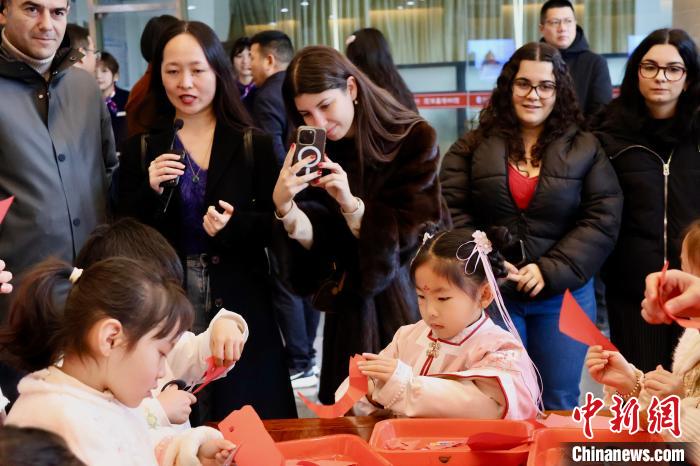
x,y
219,214
531,168
355,220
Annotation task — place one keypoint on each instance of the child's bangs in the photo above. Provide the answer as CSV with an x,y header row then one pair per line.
x,y
173,311
450,270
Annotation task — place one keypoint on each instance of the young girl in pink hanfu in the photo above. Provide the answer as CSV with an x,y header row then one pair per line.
x,y
455,362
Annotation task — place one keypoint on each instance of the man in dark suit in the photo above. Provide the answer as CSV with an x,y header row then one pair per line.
x,y
270,53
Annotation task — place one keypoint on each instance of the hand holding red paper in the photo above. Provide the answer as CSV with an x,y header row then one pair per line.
x,y
356,390
671,299
576,324
213,372
215,451
226,342
377,367
255,446
610,368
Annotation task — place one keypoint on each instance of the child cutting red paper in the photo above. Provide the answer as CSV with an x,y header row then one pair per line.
x,y
619,376
455,362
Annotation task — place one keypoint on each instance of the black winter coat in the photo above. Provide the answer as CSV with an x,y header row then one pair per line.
x,y
661,199
645,243
239,272
378,296
572,222
590,74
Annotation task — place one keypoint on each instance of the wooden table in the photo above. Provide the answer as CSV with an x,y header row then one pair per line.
x,y
294,429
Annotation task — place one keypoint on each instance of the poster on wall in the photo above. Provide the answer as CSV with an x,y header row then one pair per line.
x,y
489,55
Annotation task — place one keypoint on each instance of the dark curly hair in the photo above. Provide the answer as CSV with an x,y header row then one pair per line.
x,y
441,251
498,118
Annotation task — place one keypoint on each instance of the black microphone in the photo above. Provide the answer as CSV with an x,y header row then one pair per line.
x,y
177,126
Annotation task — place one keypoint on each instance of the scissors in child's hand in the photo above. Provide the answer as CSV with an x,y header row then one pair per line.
x,y
180,384
231,456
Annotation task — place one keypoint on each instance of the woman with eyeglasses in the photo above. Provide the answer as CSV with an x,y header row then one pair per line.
x,y
650,133
531,168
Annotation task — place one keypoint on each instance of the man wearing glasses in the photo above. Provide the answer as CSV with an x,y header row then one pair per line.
x,y
80,39
588,70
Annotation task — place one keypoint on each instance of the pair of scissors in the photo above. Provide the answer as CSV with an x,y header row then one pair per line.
x,y
231,456
180,384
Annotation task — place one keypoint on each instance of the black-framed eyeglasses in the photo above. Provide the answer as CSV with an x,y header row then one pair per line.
x,y
556,22
544,90
650,70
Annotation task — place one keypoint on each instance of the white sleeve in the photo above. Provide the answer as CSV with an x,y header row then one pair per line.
x,y
188,359
298,226
428,396
154,414
354,219
364,406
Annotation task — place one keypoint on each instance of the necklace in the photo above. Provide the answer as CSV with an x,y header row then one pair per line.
x,y
188,157
195,176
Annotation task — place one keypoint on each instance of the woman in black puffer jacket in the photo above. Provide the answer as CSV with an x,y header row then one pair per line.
x,y
650,134
529,167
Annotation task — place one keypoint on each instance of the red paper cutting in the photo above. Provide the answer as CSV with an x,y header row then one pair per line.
x,y
212,373
5,206
255,446
682,321
576,324
357,389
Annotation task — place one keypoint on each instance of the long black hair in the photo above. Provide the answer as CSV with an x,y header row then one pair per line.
x,y
380,121
630,107
370,52
498,118
227,105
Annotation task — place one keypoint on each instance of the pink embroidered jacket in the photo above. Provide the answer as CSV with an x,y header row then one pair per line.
x,y
481,373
